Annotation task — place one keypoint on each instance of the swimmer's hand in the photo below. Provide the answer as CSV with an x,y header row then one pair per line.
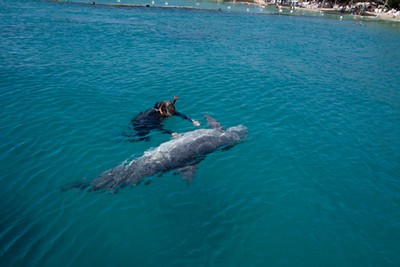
x,y
196,123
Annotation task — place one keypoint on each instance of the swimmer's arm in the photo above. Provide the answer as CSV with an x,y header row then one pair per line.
x,y
183,116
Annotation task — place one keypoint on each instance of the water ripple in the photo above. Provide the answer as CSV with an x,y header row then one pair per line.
x,y
317,174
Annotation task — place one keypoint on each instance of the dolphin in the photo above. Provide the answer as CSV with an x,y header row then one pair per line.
x,y
182,154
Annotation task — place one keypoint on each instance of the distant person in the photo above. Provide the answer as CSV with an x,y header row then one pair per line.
x,y
152,120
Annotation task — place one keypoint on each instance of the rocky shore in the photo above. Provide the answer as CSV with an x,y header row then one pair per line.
x,y
361,10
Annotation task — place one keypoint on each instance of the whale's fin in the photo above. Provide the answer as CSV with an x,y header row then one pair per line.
x,y
213,123
187,172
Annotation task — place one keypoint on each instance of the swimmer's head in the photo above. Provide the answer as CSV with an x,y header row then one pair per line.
x,y
167,109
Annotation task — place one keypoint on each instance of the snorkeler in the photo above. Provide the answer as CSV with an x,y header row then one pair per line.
x,y
152,120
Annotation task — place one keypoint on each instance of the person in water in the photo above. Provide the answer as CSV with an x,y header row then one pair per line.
x,y
152,120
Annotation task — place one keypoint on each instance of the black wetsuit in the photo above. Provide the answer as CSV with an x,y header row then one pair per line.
x,y
151,120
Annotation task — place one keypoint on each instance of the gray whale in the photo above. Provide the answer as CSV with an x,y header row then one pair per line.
x,y
182,153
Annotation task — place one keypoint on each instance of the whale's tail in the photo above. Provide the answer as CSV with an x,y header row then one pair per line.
x,y
107,181
81,184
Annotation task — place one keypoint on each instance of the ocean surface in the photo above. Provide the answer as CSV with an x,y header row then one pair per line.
x,y
316,183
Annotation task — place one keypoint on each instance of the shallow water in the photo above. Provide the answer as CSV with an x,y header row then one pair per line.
x,y
315,184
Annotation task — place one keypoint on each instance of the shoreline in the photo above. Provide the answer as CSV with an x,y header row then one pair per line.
x,y
281,10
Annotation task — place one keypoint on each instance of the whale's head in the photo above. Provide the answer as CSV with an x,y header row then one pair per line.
x,y
237,132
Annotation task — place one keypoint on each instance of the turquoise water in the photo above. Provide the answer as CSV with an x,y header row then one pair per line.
x,y
315,184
